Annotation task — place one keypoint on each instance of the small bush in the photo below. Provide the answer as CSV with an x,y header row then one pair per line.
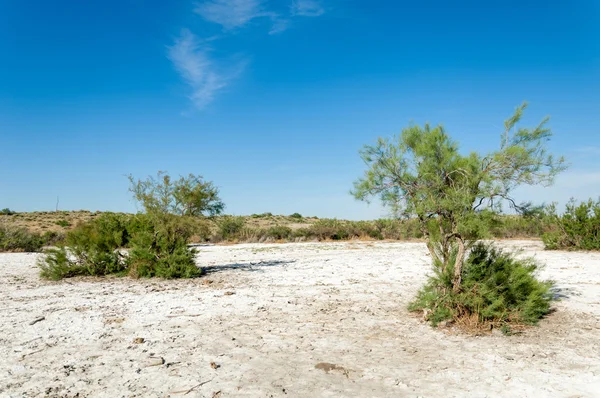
x,y
578,228
498,290
159,248
63,223
278,232
296,215
19,239
230,227
90,249
328,229
7,212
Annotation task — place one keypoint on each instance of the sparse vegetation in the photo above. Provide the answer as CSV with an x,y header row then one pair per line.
x,y
63,223
456,199
577,228
7,212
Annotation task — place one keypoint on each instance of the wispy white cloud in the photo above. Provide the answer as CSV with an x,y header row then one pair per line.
x,y
232,14
307,8
279,25
191,58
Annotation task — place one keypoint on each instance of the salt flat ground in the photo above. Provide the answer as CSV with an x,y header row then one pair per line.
x,y
298,320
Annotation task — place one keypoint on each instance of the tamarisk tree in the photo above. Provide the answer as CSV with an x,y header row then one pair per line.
x,y
421,173
185,196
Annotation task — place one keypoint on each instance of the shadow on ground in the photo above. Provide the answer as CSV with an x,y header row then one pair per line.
x,y
251,267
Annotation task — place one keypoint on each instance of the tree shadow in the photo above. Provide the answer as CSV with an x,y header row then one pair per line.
x,y
559,293
248,267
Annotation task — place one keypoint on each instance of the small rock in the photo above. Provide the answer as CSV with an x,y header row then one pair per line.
x,y
155,362
139,340
214,365
228,293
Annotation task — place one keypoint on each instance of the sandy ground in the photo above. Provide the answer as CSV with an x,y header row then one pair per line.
x,y
298,320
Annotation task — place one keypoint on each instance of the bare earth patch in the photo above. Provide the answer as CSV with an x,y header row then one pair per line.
x,y
299,320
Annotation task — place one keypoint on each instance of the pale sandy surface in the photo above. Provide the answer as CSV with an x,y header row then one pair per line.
x,y
271,315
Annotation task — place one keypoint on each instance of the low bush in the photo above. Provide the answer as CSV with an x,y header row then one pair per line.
x,y
63,223
229,227
577,228
278,232
7,212
159,248
498,290
15,239
92,248
296,215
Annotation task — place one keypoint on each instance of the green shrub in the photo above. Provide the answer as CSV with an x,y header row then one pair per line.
x,y
159,248
230,226
58,265
7,212
90,249
278,232
296,215
497,290
577,228
328,229
63,223
19,239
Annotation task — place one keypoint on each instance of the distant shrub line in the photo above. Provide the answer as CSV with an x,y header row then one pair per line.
x,y
577,228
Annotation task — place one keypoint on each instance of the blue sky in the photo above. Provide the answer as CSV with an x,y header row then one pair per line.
x,y
272,100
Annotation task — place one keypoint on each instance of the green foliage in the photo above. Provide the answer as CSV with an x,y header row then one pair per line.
x,y
158,245
7,212
58,265
577,228
159,248
187,196
90,249
497,289
454,196
278,232
63,223
296,215
14,239
230,227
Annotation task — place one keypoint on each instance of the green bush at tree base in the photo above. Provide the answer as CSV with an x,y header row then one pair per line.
x,y
497,289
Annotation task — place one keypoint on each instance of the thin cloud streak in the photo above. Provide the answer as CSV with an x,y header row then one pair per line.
x,y
191,58
232,14
307,8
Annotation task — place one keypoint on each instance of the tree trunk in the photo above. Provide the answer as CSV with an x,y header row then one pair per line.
x,y
460,256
